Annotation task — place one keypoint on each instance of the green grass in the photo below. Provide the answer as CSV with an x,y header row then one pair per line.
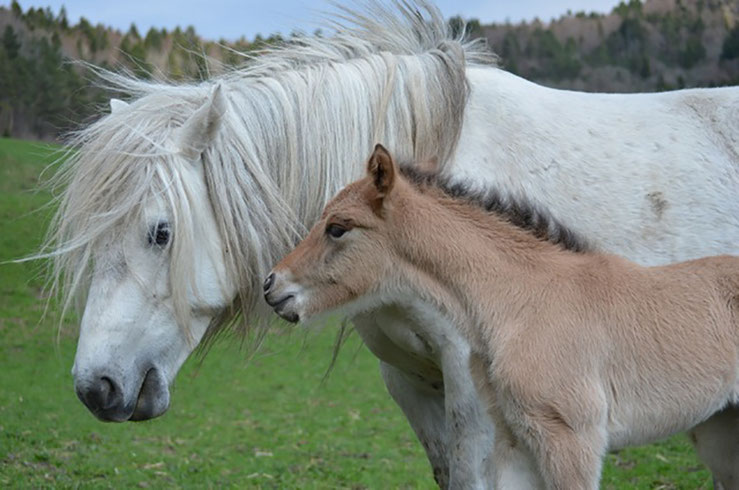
x,y
267,423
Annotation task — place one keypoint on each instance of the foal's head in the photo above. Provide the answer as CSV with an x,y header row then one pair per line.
x,y
348,253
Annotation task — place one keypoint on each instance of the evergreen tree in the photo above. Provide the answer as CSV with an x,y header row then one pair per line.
x,y
10,42
133,31
62,18
730,49
16,8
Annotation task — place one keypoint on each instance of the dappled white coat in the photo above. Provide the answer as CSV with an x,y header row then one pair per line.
x,y
650,176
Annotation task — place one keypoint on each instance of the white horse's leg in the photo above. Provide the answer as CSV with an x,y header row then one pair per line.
x,y
516,470
471,431
717,443
440,402
423,405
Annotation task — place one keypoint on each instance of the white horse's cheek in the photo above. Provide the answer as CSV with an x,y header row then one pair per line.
x,y
215,287
174,346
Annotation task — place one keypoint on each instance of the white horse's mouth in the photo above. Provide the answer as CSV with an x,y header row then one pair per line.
x,y
153,398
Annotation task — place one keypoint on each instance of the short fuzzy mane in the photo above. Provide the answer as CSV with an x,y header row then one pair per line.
x,y
516,210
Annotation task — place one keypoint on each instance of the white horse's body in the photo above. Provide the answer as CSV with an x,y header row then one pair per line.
x,y
653,177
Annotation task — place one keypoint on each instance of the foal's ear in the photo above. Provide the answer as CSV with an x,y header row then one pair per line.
x,y
382,170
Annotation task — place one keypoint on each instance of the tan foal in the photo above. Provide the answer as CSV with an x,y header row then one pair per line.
x,y
575,352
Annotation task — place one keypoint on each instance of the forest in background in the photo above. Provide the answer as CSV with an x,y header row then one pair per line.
x,y
639,46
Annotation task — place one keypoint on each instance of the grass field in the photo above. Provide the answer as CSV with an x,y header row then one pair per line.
x,y
266,423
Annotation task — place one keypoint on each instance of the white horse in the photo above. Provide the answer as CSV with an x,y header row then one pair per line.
x,y
177,203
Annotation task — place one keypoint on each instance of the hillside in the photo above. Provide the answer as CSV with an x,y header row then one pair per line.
x,y
639,46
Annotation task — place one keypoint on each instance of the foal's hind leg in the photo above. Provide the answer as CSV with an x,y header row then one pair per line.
x,y
717,443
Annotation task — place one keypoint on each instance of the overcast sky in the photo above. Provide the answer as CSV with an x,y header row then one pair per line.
x,y
230,19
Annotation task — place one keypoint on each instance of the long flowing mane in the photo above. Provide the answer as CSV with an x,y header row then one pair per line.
x,y
299,120
516,210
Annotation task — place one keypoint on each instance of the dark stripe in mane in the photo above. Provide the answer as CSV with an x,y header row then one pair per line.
x,y
516,211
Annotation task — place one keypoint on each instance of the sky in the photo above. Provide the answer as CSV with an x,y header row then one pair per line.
x,y
230,19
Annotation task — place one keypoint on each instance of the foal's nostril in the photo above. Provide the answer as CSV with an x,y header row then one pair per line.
x,y
269,281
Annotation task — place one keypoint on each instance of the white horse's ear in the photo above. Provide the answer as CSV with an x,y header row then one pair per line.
x,y
194,136
117,105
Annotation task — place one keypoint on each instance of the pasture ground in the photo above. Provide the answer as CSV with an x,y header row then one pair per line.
x,y
264,423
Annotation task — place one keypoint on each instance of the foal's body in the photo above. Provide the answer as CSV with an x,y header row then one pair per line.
x,y
574,352
590,351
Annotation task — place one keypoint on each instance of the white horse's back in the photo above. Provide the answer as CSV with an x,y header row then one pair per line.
x,y
654,177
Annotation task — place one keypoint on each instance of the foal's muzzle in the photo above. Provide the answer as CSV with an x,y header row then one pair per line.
x,y
282,302
281,305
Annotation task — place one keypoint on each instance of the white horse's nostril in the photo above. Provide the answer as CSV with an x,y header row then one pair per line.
x,y
269,282
107,389
102,396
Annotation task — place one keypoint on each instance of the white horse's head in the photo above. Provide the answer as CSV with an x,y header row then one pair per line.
x,y
150,249
173,209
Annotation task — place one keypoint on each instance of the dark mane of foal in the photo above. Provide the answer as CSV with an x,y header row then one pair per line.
x,y
516,211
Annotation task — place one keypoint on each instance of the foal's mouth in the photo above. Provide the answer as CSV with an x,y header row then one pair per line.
x,y
281,307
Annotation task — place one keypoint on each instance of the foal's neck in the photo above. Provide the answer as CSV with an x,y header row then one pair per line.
x,y
470,262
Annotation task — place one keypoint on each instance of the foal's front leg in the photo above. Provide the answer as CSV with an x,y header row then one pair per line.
x,y
569,453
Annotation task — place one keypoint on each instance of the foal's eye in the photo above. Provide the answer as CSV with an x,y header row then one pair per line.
x,y
335,231
159,235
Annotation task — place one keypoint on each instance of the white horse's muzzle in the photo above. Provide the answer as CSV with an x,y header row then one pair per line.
x,y
119,400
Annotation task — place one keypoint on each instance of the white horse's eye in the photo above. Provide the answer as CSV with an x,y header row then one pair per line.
x,y
159,234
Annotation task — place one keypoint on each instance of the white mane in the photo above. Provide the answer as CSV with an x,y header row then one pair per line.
x,y
299,121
